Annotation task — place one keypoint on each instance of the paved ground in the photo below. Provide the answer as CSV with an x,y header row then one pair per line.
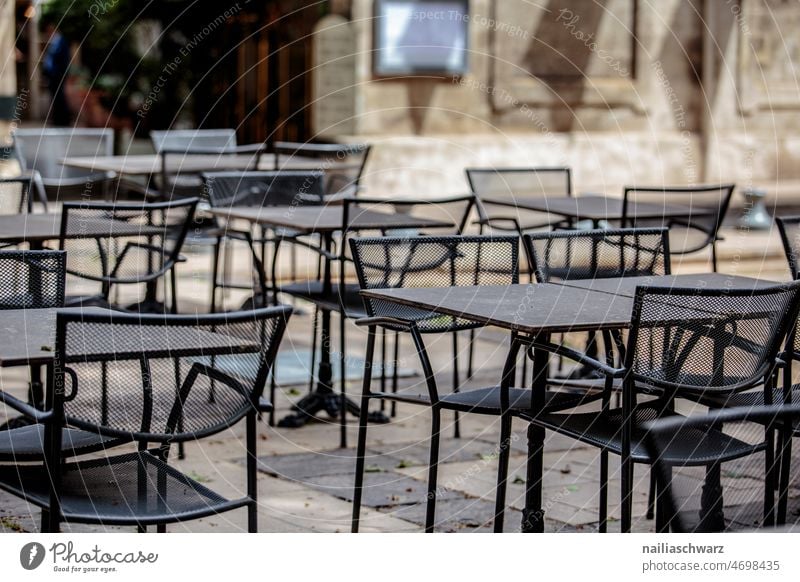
x,y
305,481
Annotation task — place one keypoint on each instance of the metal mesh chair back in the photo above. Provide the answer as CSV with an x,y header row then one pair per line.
x,y
739,436
708,341
789,227
15,195
452,213
597,254
343,164
186,139
32,279
705,208
43,149
143,239
432,261
262,189
513,185
150,377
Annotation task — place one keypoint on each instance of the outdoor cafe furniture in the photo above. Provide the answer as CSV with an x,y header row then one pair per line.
x,y
42,149
534,312
18,194
437,262
343,163
326,221
514,186
690,232
187,143
144,379
682,492
31,280
257,189
132,243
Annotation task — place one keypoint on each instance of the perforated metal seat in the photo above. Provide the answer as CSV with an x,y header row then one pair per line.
x,y
26,443
687,447
147,379
109,491
749,496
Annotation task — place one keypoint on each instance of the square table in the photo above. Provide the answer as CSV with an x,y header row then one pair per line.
x,y
36,229
539,310
595,207
326,221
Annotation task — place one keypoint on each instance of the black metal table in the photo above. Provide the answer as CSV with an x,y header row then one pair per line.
x,y
595,207
37,229
325,221
538,310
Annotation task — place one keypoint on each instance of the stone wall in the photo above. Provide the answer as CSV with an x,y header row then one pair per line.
x,y
624,91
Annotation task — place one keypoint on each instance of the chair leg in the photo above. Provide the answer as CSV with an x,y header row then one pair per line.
x,y
433,469
361,448
651,497
314,331
502,472
771,481
383,367
395,372
214,275
603,497
252,475
785,467
161,528
343,383
456,386
626,494
173,278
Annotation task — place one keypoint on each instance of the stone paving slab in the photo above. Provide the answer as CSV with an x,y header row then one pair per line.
x,y
453,515
383,489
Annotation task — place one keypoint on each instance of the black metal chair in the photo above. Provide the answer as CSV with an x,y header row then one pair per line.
x,y
514,185
35,280
682,343
42,150
257,189
18,194
180,144
706,208
128,260
159,371
343,164
741,436
343,297
438,261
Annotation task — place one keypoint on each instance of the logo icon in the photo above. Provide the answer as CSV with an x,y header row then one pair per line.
x,y
31,555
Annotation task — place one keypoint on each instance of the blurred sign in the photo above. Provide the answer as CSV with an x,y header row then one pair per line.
x,y
334,77
419,36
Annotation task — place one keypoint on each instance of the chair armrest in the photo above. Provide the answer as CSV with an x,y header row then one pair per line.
x,y
579,357
25,408
388,321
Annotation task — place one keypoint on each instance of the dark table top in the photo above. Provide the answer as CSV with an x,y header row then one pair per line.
x,y
149,164
526,308
627,285
595,207
321,219
29,338
554,307
41,227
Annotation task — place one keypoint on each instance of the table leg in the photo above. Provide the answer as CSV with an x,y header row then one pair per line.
x,y
533,514
323,397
